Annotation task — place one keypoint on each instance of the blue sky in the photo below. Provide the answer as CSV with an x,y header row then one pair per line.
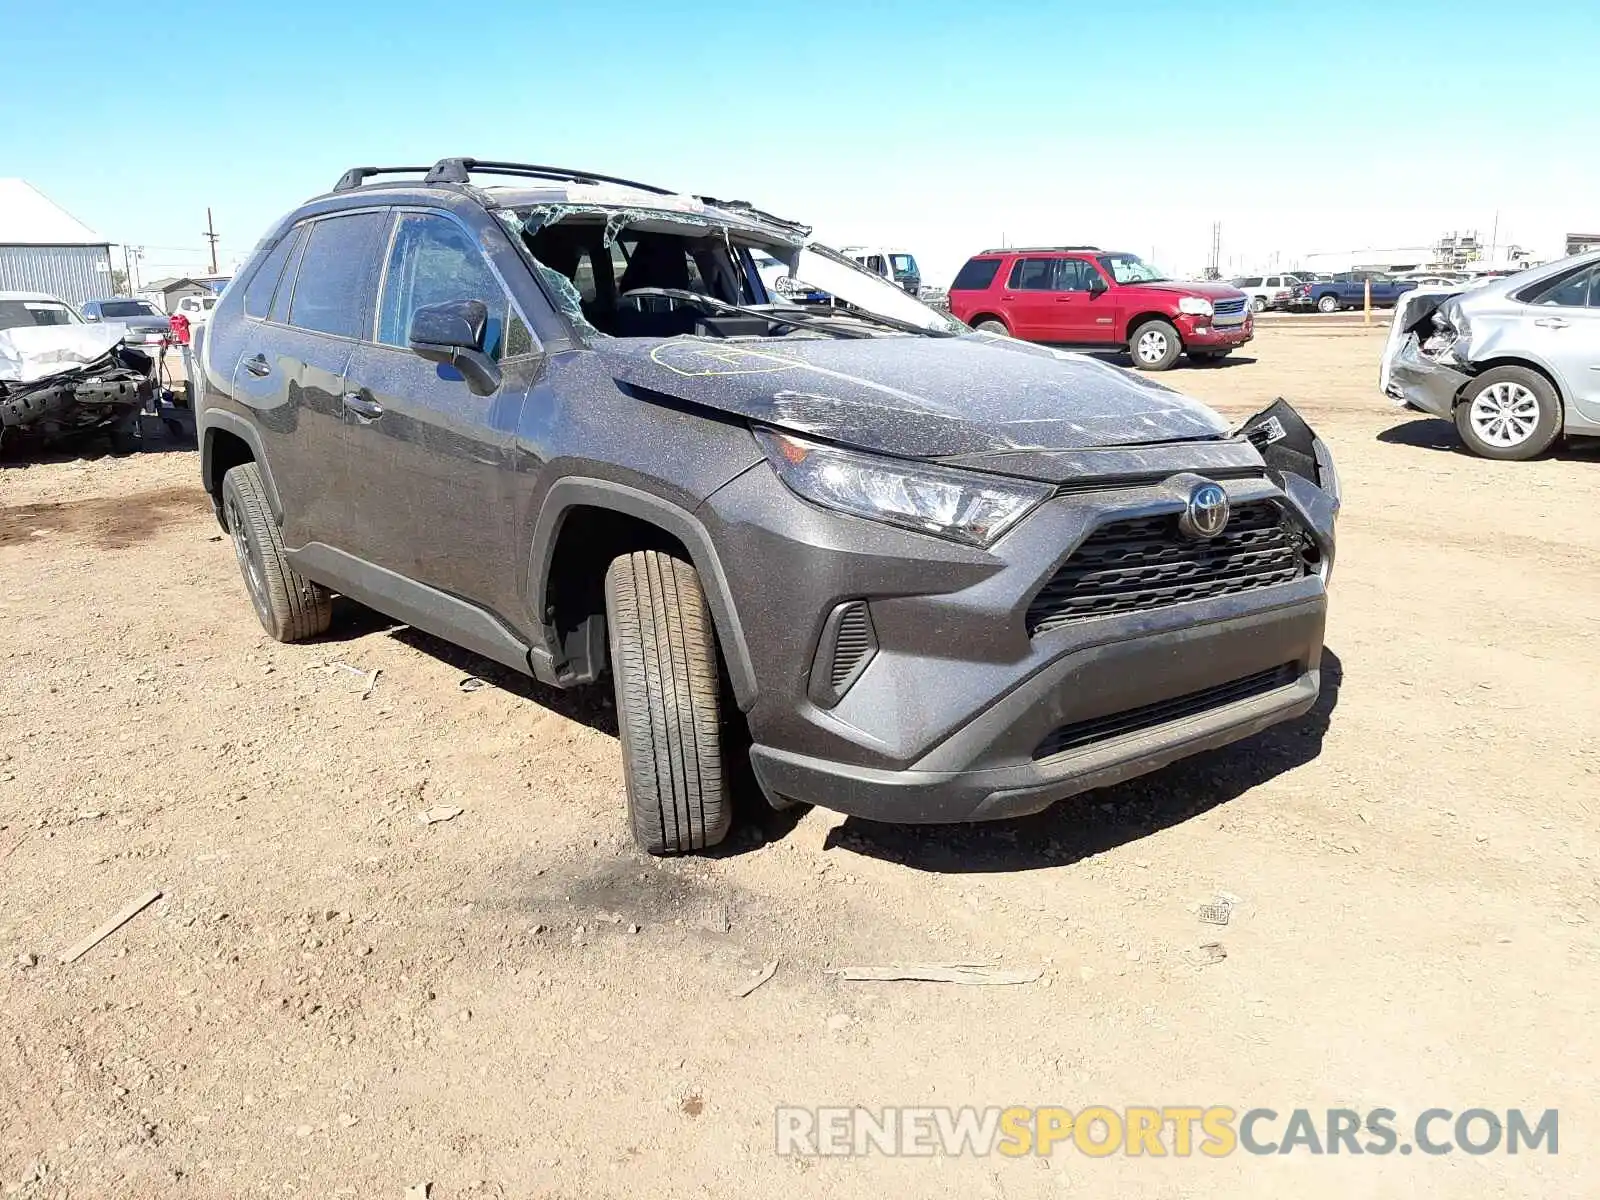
x,y
1301,126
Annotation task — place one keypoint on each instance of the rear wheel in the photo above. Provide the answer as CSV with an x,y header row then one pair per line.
x,y
668,687
1259,304
1207,358
1509,413
992,326
1155,345
290,606
1329,304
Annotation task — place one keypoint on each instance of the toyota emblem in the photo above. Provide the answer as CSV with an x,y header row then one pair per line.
x,y
1207,513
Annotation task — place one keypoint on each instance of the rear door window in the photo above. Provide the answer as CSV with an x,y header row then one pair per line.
x,y
258,295
1034,275
978,274
333,292
1576,290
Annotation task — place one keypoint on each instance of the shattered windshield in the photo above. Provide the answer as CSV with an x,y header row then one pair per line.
x,y
637,272
1130,268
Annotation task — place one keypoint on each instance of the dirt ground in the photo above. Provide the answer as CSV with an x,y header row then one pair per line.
x,y
333,998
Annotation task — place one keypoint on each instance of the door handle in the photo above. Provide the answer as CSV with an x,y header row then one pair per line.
x,y
369,410
1551,322
258,366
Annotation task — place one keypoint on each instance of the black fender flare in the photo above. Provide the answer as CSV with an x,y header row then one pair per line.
x,y
211,420
577,491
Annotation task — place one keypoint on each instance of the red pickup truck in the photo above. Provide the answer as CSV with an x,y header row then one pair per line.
x,y
1088,298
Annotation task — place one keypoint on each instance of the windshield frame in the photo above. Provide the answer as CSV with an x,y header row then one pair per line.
x,y
869,291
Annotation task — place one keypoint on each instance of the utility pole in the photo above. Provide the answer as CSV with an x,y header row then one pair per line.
x,y
211,236
1214,269
127,272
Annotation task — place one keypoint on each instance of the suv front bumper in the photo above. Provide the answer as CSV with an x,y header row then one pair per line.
x,y
1200,333
985,770
952,717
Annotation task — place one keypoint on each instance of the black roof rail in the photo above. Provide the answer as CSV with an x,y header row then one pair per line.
x,y
356,176
460,170
1035,249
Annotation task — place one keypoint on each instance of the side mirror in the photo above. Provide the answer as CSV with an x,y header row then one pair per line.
x,y
1097,284
452,333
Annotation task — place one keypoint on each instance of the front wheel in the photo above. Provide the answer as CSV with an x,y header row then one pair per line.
x,y
1259,304
1509,413
1155,346
1329,304
668,688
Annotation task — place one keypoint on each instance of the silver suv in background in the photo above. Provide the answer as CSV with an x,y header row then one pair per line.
x,y
1514,363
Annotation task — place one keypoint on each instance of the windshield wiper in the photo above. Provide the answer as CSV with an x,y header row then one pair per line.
x,y
712,305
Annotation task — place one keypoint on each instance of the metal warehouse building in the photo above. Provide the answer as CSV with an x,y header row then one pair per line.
x,y
43,249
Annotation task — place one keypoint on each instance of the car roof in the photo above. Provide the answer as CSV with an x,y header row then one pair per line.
x,y
999,251
43,296
551,186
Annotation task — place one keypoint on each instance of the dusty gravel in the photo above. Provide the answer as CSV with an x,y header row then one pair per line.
x,y
333,998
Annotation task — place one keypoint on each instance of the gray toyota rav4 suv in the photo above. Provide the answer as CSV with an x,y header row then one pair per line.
x,y
925,574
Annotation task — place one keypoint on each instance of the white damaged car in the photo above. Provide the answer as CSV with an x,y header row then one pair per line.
x,y
1515,363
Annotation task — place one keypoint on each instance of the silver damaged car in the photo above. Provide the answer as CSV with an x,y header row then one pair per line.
x,y
1514,363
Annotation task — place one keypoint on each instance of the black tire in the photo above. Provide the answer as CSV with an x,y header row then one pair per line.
x,y
992,326
1329,304
668,685
1527,395
1207,358
1152,336
290,606
1259,304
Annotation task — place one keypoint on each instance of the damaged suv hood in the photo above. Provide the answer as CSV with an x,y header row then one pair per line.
x,y
916,397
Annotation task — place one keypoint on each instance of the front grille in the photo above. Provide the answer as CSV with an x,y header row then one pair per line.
x,y
1228,308
1148,716
1145,562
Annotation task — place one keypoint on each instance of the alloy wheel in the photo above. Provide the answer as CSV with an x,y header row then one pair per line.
x,y
1152,346
1505,414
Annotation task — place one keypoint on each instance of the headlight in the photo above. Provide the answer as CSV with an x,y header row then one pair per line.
x,y
959,505
1197,306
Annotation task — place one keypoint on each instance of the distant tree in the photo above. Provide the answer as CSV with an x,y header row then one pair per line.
x,y
119,282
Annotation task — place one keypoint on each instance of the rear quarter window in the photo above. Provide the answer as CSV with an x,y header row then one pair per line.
x,y
977,275
258,294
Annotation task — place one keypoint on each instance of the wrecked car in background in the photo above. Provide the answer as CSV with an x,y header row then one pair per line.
x,y
1515,363
62,379
935,575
